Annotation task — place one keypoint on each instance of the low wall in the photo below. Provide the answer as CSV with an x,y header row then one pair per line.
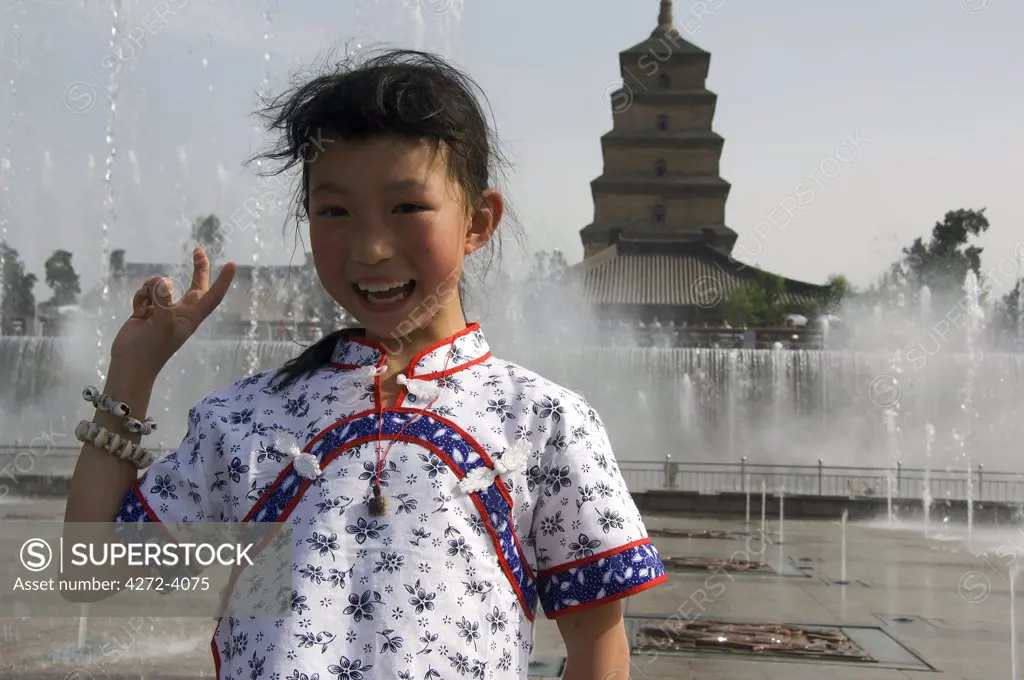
x,y
48,486
733,505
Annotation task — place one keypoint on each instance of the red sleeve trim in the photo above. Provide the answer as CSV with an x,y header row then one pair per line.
x,y
610,598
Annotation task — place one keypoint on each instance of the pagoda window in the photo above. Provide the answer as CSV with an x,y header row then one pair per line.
x,y
663,122
664,81
659,213
660,168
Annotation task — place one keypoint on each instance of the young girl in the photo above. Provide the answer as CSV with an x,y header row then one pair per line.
x,y
447,490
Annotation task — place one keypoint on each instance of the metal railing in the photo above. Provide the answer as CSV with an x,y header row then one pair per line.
x,y
703,478
823,480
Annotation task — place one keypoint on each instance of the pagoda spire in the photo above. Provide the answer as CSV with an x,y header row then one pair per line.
x,y
664,18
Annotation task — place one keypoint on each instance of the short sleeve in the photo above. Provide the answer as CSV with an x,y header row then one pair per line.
x,y
172,490
589,538
176,488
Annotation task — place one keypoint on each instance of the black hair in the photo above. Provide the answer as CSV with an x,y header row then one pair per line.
x,y
405,93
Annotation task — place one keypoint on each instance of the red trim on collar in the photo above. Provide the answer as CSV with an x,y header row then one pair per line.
x,y
410,370
470,328
373,344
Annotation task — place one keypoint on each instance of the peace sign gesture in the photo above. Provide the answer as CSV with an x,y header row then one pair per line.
x,y
159,326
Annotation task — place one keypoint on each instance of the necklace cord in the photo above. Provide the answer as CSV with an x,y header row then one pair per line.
x,y
380,424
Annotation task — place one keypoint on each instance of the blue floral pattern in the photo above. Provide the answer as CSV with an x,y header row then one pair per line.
x,y
446,584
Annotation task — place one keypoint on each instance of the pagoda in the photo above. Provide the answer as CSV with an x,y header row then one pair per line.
x,y
658,246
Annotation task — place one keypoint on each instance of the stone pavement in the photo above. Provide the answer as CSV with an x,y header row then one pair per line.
x,y
909,602
947,607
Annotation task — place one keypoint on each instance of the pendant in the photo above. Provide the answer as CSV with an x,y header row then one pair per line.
x,y
378,504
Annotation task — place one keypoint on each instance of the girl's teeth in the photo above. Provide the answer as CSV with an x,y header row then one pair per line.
x,y
381,287
384,294
378,300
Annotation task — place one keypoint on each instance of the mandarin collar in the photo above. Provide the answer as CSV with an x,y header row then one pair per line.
x,y
461,350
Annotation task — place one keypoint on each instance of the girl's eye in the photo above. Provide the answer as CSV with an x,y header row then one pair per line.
x,y
332,211
409,208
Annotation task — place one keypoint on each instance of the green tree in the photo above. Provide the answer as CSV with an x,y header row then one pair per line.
x,y
756,303
1009,313
62,279
838,290
943,262
18,300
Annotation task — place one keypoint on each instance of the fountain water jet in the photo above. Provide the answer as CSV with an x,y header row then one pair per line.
x,y
257,280
109,211
925,301
732,403
926,491
894,461
889,484
83,626
778,367
746,486
974,319
842,547
782,514
184,224
688,407
1014,647
764,505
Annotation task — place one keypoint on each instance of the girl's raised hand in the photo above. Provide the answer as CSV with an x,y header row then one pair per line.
x,y
159,325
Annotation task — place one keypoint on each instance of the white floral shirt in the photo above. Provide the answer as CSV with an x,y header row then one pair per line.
x,y
446,583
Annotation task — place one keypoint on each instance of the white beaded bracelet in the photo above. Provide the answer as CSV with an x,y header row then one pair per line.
x,y
120,409
89,432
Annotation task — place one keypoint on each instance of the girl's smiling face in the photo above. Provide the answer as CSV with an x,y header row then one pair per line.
x,y
389,230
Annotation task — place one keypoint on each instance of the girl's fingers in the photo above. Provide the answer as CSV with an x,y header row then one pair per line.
x,y
200,272
216,292
142,302
163,299
155,298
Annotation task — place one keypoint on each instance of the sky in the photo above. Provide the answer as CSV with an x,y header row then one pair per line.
x,y
930,90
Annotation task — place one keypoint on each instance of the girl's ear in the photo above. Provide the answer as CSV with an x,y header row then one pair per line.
x,y
484,220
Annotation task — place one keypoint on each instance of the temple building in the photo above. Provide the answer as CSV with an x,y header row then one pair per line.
x,y
659,246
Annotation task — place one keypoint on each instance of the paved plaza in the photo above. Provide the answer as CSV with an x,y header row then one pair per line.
x,y
911,608
926,603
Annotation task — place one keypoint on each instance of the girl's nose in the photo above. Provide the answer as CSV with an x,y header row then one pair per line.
x,y
372,244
